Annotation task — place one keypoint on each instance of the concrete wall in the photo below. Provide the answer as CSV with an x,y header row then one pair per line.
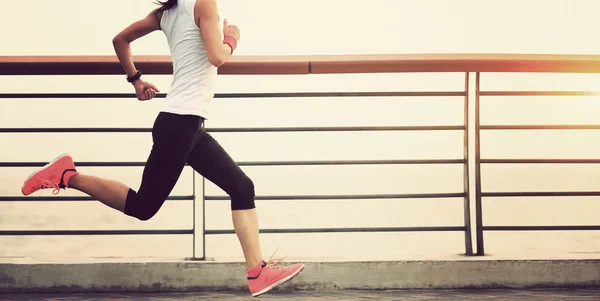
x,y
74,27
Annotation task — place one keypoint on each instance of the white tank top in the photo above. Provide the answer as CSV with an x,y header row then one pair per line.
x,y
194,77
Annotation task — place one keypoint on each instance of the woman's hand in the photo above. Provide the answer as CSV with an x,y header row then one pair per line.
x,y
231,30
144,90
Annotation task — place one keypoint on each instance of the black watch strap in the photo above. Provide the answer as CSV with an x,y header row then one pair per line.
x,y
137,76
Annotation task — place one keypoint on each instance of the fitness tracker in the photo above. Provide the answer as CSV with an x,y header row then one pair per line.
x,y
137,76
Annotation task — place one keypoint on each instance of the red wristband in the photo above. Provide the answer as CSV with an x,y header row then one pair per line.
x,y
229,40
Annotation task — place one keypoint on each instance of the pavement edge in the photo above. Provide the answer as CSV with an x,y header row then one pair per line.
x,y
318,276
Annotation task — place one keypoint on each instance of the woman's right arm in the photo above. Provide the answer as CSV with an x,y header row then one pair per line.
x,y
122,41
207,19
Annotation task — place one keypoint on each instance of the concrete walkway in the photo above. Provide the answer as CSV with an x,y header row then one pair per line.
x,y
446,295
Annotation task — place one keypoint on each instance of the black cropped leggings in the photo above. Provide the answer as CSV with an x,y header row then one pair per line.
x,y
177,140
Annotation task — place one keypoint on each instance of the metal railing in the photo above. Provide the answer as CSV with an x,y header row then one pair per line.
x,y
465,64
480,193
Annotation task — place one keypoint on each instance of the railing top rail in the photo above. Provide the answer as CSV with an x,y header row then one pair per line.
x,y
312,64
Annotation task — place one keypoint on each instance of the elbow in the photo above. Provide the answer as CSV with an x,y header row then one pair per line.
x,y
118,40
216,60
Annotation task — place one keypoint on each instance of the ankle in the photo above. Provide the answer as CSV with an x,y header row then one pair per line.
x,y
254,263
71,179
254,270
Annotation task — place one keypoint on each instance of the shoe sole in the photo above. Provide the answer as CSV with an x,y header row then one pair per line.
x,y
278,283
41,169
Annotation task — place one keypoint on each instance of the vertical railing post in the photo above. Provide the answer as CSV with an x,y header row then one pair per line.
x,y
204,210
194,214
196,229
203,218
467,200
478,198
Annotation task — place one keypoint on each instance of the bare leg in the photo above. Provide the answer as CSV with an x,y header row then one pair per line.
x,y
173,136
245,223
210,160
111,193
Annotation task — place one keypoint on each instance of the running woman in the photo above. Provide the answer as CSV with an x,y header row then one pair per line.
x,y
198,47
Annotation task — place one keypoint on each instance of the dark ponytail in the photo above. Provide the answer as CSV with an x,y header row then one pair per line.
x,y
166,5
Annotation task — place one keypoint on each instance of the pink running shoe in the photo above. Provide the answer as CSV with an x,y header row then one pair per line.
x,y
55,174
266,276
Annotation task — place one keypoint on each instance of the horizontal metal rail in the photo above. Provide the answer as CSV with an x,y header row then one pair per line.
x,y
241,95
348,230
539,93
259,163
540,193
355,162
345,197
75,198
93,232
541,228
242,130
542,127
75,130
313,64
540,161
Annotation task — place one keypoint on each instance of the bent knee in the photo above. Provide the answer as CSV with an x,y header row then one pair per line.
x,y
141,208
245,188
242,197
145,215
